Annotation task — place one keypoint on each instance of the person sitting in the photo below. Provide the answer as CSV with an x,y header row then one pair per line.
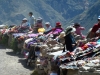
x,y
25,26
48,27
57,30
37,25
41,29
94,29
78,30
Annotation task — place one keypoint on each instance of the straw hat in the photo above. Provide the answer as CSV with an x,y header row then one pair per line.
x,y
62,34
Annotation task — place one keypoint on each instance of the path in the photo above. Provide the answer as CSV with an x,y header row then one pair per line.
x,y
12,64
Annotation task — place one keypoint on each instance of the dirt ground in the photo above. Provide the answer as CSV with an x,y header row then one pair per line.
x,y
13,64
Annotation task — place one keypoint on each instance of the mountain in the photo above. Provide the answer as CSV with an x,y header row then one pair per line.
x,y
13,11
89,17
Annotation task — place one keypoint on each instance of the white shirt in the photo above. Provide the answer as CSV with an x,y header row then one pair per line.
x,y
24,24
32,20
47,29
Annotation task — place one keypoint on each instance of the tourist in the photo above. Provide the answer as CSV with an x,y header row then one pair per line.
x,y
31,19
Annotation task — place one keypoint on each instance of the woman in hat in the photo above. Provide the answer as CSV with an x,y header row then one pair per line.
x,y
48,28
57,30
79,30
70,42
25,26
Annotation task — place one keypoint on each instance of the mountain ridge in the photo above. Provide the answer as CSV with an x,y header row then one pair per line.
x,y
64,11
89,17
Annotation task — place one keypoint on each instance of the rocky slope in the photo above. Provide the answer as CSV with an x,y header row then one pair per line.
x,y
13,11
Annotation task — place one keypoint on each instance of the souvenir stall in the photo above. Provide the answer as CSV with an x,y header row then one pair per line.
x,y
45,53
81,62
73,64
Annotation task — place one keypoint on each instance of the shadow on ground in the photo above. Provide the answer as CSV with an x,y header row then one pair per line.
x,y
23,62
14,54
21,59
2,47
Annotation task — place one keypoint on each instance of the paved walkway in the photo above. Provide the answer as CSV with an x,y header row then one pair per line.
x,y
12,64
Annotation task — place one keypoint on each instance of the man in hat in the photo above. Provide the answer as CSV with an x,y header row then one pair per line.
x,y
95,28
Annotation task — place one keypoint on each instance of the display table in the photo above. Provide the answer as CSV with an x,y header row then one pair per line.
x,y
88,73
72,72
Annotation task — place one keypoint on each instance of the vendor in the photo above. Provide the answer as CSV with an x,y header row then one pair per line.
x,y
38,25
57,30
70,42
48,27
79,29
41,29
24,25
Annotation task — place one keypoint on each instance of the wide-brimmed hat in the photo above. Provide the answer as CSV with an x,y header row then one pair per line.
x,y
69,30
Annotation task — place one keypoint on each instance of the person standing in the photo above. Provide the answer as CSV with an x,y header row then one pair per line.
x,y
31,20
70,42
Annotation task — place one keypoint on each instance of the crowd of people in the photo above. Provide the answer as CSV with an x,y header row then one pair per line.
x,y
71,37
